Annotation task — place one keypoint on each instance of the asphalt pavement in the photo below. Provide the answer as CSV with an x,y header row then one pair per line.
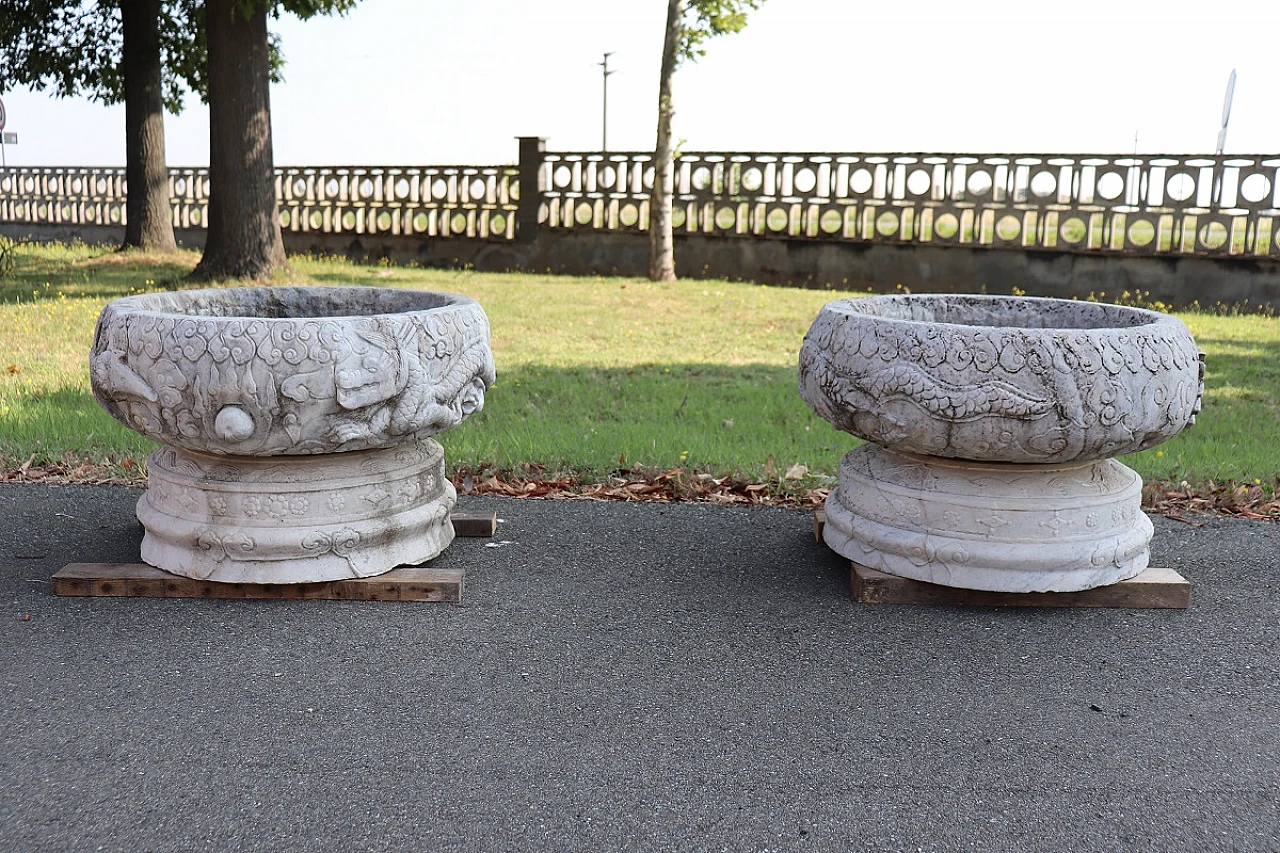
x,y
641,677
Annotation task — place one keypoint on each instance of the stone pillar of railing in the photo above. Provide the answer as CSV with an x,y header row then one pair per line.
x,y
532,185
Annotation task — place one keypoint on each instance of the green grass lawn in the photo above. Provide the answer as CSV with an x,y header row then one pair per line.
x,y
595,375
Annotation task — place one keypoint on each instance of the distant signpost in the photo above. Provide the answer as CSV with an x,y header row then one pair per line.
x,y
5,138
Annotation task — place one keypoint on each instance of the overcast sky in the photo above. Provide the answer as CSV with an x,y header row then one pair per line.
x,y
428,82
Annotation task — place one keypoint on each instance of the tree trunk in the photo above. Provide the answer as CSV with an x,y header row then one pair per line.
x,y
148,214
662,256
243,239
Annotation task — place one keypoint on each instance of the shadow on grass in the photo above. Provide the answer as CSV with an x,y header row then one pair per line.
x,y
106,273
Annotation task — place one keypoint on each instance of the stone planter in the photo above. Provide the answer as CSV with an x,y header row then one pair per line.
x,y
296,423
992,422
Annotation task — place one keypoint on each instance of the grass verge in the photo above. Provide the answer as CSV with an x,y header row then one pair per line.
x,y
602,383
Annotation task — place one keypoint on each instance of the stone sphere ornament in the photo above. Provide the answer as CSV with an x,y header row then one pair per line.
x,y
296,424
992,422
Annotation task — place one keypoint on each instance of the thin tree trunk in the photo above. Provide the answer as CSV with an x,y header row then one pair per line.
x,y
243,239
148,214
662,256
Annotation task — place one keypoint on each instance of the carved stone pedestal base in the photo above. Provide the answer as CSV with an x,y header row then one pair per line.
x,y
1002,527
295,519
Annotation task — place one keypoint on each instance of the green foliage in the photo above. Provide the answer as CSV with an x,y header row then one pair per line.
x,y
74,48
705,19
594,374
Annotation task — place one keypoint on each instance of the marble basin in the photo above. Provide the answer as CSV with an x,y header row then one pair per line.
x,y
1001,379
992,422
296,424
264,371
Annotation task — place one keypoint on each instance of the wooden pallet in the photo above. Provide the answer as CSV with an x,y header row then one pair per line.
x,y
406,583
1155,588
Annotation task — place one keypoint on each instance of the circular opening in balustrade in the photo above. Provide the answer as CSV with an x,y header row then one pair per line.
x,y
458,224
831,221
1181,186
606,177
77,185
1213,235
1008,227
1141,232
196,216
701,178
115,215
677,217
349,219
101,186
726,218
420,222
860,181
805,180
402,188
629,215
299,187
919,182
561,176
777,219
384,220
752,179
979,183
1043,184
887,224
648,178
439,188
583,214
179,186
284,219
332,187
497,224
317,219
477,188
366,188
1072,231
1255,188
946,226
1110,185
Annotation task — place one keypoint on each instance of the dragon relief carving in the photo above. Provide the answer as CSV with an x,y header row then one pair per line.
x,y
258,387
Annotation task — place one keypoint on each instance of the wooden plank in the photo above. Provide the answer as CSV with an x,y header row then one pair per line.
x,y
1154,588
407,583
475,524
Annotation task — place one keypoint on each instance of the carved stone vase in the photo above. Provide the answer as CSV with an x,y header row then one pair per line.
x,y
992,425
296,424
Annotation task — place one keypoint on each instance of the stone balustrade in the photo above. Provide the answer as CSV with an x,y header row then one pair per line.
x,y
1142,205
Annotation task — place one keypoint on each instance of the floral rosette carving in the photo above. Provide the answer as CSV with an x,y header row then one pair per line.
x,y
1006,379
291,370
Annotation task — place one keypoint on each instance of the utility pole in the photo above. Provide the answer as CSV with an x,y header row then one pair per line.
x,y
604,111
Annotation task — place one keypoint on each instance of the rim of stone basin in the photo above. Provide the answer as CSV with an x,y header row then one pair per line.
x,y
1001,312
289,302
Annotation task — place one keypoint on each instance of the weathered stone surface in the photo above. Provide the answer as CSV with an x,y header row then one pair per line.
x,y
993,420
295,424
1006,379
295,519
265,371
992,526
